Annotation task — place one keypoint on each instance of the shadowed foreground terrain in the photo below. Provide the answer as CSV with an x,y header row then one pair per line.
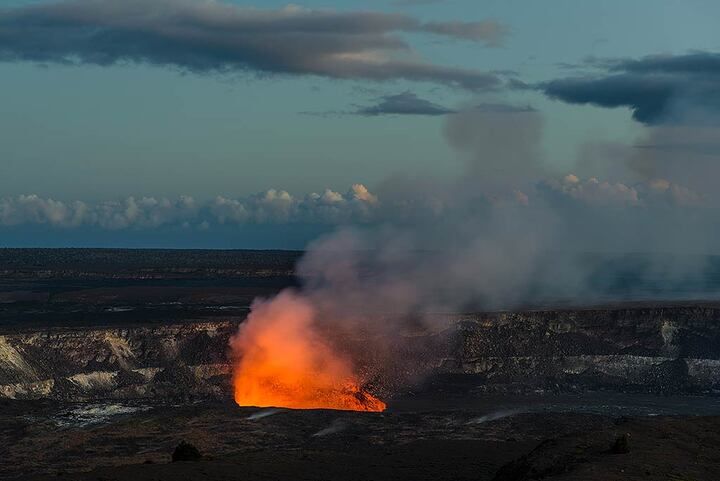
x,y
459,444
109,359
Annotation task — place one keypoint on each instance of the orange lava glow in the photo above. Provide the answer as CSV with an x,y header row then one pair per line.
x,y
282,361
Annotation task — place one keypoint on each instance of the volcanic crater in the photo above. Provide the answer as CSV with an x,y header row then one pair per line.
x,y
109,359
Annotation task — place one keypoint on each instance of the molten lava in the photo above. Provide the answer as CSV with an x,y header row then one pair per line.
x,y
283,361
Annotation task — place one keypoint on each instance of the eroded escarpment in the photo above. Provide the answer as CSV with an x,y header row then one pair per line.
x,y
175,361
659,350
662,350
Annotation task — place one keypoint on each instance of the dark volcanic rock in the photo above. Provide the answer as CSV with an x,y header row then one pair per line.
x,y
549,459
669,377
625,349
621,445
186,452
125,378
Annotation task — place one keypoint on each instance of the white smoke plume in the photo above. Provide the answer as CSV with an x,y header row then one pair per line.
x,y
465,245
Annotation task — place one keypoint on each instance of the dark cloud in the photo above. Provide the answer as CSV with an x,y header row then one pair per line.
x,y
212,36
649,98
488,31
406,103
705,63
660,89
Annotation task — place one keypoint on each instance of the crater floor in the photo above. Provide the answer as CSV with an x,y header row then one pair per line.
x,y
540,437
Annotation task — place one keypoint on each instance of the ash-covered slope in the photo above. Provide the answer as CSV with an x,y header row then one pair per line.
x,y
662,350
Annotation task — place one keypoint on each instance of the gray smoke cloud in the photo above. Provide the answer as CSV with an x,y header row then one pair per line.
x,y
497,238
498,141
211,36
686,155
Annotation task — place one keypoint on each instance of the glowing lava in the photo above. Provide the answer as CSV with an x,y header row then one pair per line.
x,y
283,361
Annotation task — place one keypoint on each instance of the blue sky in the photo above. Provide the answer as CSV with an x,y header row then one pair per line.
x,y
101,133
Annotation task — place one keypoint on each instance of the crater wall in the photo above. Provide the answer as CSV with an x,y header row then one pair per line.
x,y
662,350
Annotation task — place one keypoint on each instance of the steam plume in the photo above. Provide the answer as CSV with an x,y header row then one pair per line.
x,y
486,249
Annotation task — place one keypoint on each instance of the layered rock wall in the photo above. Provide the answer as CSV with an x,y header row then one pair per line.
x,y
662,350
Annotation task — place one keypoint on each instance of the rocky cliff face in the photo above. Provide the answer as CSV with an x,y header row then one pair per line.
x,y
177,361
662,350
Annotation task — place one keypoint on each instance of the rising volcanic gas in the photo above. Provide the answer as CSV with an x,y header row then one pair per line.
x,y
283,360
